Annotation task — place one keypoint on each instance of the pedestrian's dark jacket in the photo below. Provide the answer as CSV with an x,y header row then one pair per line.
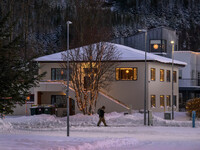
x,y
101,113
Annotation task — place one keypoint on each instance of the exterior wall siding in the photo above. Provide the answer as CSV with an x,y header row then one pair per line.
x,y
129,92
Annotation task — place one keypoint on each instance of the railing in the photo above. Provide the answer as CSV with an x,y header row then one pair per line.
x,y
189,82
100,92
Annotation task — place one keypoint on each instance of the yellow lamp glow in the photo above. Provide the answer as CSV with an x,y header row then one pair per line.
x,y
127,71
28,98
155,46
62,72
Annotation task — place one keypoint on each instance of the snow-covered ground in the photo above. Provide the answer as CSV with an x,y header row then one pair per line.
x,y
125,132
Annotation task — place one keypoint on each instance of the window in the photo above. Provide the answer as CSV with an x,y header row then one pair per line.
x,y
59,101
161,75
168,97
180,74
153,101
168,76
174,76
193,74
153,74
32,98
59,74
198,78
126,74
174,100
162,102
158,46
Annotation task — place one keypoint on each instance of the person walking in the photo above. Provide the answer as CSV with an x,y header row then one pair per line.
x,y
101,113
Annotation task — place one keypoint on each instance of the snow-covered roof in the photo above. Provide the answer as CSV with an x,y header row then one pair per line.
x,y
126,54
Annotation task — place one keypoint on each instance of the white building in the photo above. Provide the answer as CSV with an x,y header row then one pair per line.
x,y
189,76
126,91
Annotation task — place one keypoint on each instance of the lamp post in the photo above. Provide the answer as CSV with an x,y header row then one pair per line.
x,y
67,92
172,42
145,75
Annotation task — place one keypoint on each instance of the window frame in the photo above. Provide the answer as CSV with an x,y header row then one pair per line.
x,y
70,71
60,105
168,76
168,99
163,75
152,74
162,96
175,78
126,68
162,45
152,100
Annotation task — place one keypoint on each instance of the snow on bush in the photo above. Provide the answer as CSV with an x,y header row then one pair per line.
x,y
4,125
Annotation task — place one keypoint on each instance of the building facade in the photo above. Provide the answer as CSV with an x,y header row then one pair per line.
x,y
189,76
126,90
158,41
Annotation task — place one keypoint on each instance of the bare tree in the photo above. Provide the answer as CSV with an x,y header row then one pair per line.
x,y
91,69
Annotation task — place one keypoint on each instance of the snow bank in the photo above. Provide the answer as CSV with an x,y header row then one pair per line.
x,y
108,144
4,125
114,119
37,122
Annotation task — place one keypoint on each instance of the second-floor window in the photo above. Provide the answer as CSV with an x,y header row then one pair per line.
x,y
153,74
174,76
59,74
158,46
126,73
168,76
162,75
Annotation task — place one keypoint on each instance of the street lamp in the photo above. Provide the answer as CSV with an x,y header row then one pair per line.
x,y
172,42
145,75
67,92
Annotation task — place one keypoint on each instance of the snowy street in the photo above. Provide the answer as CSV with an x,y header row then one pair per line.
x,y
22,133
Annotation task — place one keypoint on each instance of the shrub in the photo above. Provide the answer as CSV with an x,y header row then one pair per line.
x,y
193,105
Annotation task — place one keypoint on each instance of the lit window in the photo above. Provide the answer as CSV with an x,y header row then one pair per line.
x,y
158,45
153,74
126,74
168,97
174,76
153,101
161,75
162,102
168,75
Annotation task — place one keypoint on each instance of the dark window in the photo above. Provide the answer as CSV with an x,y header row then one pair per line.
x,y
32,98
126,74
153,74
168,97
174,101
59,101
59,74
168,76
158,46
